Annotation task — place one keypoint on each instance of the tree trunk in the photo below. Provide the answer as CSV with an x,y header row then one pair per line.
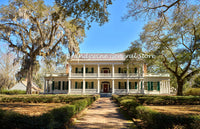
x,y
180,87
29,80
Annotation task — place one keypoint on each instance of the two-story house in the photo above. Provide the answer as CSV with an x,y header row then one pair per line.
x,y
95,73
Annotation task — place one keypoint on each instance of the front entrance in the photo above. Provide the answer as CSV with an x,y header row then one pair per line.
x,y
105,88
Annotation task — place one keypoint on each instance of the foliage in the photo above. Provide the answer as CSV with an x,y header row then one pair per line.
x,y
58,118
11,92
33,29
196,82
193,91
156,120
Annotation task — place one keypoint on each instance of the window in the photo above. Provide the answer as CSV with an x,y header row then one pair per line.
x,y
122,85
150,86
55,85
89,85
135,70
135,85
65,85
158,86
89,70
78,85
78,70
122,70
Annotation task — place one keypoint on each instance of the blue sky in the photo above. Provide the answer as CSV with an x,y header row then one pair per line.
x,y
114,36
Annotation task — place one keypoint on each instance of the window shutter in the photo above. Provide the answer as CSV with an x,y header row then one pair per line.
x,y
119,85
135,70
129,85
135,85
141,84
92,70
92,83
119,70
86,70
63,85
82,70
151,85
53,85
76,70
125,83
76,85
67,85
59,85
158,86
86,85
81,85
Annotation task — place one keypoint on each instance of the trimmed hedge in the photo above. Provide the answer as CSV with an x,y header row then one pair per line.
x,y
12,92
155,120
58,118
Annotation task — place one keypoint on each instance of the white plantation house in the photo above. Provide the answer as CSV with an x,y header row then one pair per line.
x,y
102,73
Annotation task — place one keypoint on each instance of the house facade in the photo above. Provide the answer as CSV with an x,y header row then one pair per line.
x,y
106,73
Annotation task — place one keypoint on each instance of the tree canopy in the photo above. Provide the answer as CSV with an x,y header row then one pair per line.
x,y
33,29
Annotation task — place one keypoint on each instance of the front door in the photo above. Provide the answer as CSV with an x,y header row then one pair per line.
x,y
105,88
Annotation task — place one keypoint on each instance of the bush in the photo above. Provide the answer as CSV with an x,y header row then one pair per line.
x,y
193,91
12,92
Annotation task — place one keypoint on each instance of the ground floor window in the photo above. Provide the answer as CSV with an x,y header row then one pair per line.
x,y
122,85
56,85
133,85
89,85
78,85
153,86
65,85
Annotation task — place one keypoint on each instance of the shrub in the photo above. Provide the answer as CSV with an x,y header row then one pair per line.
x,y
193,91
12,92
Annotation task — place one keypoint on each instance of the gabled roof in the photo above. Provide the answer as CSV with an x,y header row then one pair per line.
x,y
100,56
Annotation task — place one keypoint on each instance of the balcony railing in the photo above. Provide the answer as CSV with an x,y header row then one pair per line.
x,y
120,75
156,75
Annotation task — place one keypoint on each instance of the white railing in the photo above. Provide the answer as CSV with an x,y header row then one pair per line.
x,y
156,75
105,74
91,74
133,75
76,74
55,74
120,75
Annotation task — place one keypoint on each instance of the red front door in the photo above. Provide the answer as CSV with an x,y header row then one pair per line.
x,y
105,88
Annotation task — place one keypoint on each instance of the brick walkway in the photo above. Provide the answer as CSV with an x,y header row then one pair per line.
x,y
103,114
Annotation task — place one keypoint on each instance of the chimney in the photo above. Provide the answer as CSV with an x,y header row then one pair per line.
x,y
67,68
145,68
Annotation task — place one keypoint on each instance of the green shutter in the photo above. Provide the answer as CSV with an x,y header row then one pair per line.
x,y
119,70
119,85
151,85
158,86
92,83
82,70
86,70
59,85
86,85
76,70
81,85
135,85
141,84
129,85
53,83
67,85
92,70
125,83
63,85
135,70
76,85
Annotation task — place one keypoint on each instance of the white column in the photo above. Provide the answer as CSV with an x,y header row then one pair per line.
x,y
69,86
139,86
84,70
98,86
127,86
169,86
113,86
61,85
142,86
98,71
51,86
70,70
127,71
45,85
113,70
83,86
